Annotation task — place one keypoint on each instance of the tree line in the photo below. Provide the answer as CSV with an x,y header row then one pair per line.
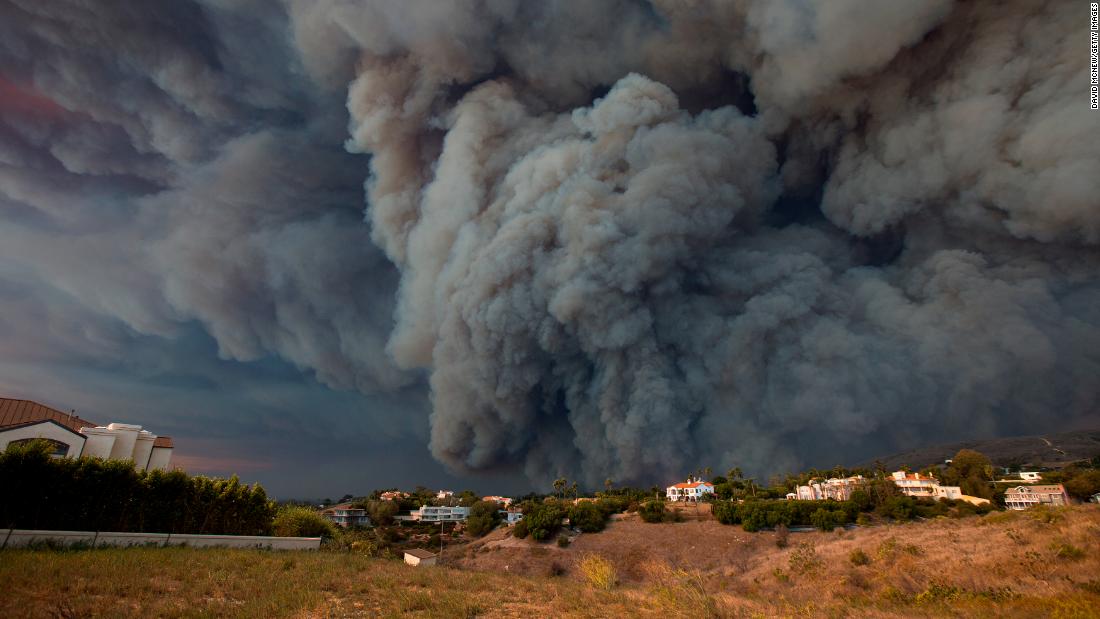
x,y
38,491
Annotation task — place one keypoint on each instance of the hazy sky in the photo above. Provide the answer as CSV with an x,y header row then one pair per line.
x,y
336,245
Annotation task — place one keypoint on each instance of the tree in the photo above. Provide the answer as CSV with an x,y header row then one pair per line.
x,y
559,486
735,473
484,517
608,485
382,512
1084,484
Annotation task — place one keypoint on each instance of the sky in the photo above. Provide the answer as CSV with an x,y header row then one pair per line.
x,y
340,245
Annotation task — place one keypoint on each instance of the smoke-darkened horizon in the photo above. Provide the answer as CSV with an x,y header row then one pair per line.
x,y
619,239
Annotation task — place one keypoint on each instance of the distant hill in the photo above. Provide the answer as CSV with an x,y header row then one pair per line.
x,y
1047,450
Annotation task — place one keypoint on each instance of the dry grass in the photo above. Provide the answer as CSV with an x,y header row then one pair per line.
x,y
1042,564
598,572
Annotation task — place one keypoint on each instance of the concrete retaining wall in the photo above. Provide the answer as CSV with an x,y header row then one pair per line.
x,y
21,538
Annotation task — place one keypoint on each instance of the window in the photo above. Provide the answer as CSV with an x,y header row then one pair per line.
x,y
59,449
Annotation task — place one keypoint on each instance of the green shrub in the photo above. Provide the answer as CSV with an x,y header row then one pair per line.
x,y
652,511
587,517
804,559
563,541
520,530
543,520
295,521
1066,550
858,557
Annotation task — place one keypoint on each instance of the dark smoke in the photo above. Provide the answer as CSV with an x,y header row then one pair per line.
x,y
623,238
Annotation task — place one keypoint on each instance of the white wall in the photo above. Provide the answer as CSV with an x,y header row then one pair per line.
x,y
100,442
160,458
125,440
143,446
20,538
44,430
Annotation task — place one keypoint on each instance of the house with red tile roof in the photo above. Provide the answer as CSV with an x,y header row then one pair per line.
x,y
690,490
22,421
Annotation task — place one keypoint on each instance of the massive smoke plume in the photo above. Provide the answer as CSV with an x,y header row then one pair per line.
x,y
622,238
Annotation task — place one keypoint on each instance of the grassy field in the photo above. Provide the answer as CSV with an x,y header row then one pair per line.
x,y
1012,564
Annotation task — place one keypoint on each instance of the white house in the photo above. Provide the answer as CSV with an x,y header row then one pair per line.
x,y
22,421
432,513
444,494
1031,476
417,556
924,486
512,516
836,488
503,500
691,490
1025,497
344,515
915,484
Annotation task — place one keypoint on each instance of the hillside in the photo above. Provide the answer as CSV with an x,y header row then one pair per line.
x,y
1045,450
1014,564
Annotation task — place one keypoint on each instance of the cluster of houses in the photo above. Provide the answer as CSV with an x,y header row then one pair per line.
x,y
918,485
345,515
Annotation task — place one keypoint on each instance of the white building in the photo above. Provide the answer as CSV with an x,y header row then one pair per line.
x,y
417,556
512,516
444,494
924,486
691,490
22,421
432,513
344,515
915,484
1025,497
503,500
1031,476
836,488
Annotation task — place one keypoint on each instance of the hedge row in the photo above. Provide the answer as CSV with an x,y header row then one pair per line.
x,y
90,494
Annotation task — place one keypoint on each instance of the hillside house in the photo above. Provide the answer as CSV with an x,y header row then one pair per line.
x,y
432,513
1026,497
690,490
417,556
344,515
924,486
503,500
393,495
444,494
512,516
915,484
23,421
836,488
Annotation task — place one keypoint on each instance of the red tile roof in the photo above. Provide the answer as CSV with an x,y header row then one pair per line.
x,y
694,484
17,412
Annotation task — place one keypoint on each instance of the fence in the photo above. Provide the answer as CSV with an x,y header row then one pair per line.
x,y
21,538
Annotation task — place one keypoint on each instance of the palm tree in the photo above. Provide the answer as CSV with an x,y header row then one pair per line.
x,y
559,486
735,473
706,473
608,484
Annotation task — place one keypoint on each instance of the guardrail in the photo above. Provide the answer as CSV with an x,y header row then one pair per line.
x,y
21,538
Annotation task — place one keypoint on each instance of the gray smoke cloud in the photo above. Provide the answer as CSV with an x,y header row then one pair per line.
x,y
621,238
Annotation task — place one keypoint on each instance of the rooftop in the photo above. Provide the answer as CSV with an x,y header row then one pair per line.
x,y
15,412
420,553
